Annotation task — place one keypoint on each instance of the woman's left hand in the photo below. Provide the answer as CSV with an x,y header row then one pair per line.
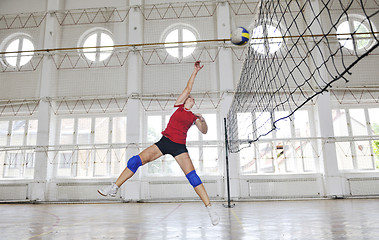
x,y
200,117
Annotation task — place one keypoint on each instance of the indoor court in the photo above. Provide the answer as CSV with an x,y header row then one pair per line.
x,y
181,119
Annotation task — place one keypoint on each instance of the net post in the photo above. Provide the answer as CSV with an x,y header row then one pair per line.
x,y
227,167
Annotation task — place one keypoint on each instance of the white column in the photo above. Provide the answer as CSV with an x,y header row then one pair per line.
x,y
333,183
42,167
225,71
134,77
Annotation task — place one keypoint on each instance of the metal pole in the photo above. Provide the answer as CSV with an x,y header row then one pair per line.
x,y
227,167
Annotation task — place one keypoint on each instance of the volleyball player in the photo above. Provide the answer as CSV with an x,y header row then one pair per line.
x,y
173,142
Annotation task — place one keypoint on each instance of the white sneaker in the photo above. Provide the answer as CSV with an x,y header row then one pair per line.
x,y
213,215
109,190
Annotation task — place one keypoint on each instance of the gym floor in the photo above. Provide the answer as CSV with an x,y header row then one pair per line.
x,y
306,219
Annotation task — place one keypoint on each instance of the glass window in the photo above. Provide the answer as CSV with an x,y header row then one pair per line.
x,y
18,133
101,130
283,128
98,38
266,39
65,163
360,40
210,160
263,124
211,120
3,132
180,33
344,156
364,157
154,128
248,161
84,131
339,122
374,122
67,131
245,127
19,43
301,121
119,130
358,122
32,132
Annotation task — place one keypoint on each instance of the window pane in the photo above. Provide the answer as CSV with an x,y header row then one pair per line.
x,y
193,134
3,132
263,124
188,47
265,158
12,57
32,132
154,128
248,159
118,162
119,130
374,122
364,158
65,160
13,164
172,49
212,127
358,122
245,127
210,158
101,130
84,131
195,157
90,53
27,45
101,160
339,122
301,120
106,40
84,163
18,132
283,126
67,131
344,157
363,39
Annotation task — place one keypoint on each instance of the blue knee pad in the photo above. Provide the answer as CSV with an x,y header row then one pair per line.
x,y
134,163
193,178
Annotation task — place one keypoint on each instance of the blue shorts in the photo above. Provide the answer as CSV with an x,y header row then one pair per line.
x,y
166,146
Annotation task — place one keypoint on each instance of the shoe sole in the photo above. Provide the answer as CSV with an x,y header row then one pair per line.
x,y
105,195
101,193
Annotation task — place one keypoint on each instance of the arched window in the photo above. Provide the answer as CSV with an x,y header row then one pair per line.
x,y
180,33
92,42
357,26
20,48
266,39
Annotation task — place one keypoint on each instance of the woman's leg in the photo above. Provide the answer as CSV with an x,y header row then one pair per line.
x,y
186,165
149,154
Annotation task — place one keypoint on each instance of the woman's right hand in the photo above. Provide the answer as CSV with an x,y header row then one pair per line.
x,y
198,67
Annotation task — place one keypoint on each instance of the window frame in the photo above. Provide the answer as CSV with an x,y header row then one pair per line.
x,y
98,51
10,39
180,27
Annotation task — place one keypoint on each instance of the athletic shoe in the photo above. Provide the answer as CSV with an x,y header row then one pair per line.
x,y
109,190
213,215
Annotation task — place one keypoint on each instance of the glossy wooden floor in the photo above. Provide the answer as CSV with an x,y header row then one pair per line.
x,y
314,219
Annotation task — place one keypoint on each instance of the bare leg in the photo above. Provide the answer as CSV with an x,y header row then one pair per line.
x,y
149,154
186,165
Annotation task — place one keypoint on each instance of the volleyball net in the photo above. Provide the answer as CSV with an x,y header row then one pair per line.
x,y
297,51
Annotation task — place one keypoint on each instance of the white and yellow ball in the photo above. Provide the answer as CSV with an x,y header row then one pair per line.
x,y
239,36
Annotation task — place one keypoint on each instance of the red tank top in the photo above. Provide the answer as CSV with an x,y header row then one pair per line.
x,y
180,121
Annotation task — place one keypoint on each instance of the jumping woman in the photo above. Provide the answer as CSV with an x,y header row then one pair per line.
x,y
173,142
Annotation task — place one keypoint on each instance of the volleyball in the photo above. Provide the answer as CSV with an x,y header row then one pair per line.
x,y
239,36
